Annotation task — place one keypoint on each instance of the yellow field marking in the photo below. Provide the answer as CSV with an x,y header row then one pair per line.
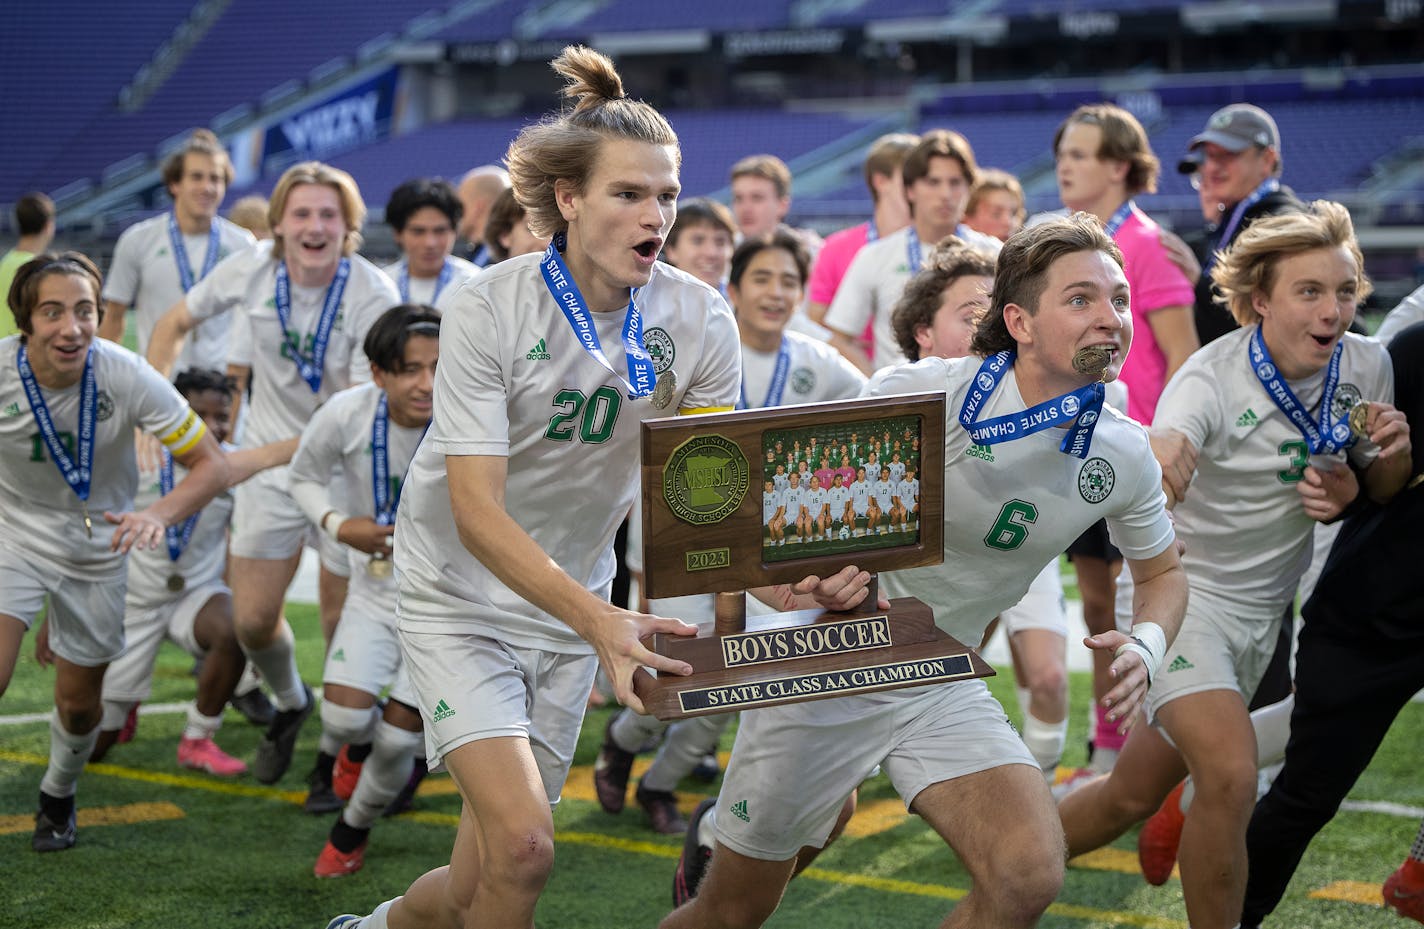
x,y
1350,892
169,780
125,815
1112,859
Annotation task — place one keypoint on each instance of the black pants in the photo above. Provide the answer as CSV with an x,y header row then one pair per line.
x,y
1349,689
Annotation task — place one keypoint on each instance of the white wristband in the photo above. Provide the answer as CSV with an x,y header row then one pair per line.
x,y
331,522
1150,644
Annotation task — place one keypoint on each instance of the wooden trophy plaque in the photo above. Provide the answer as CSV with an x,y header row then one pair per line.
x,y
717,521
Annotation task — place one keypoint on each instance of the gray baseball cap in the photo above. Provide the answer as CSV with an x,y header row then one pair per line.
x,y
1235,128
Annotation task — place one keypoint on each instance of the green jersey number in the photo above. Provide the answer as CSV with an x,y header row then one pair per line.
x,y
1299,455
594,415
291,337
1011,528
37,445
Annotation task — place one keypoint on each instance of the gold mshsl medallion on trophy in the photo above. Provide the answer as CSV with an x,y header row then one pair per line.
x,y
379,567
1360,419
176,583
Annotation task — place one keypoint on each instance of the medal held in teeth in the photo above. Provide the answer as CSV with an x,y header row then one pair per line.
x,y
1092,361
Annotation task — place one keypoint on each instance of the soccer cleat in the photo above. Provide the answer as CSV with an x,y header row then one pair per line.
x,y
130,726
1160,836
611,771
1404,898
335,863
692,863
254,707
204,755
661,807
345,921
274,751
707,769
320,797
52,836
345,773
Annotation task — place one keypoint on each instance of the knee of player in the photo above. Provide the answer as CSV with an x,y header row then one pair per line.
x,y
748,908
522,860
79,713
1048,680
1226,782
1024,888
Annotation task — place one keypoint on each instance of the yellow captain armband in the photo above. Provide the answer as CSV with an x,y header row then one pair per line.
x,y
187,434
699,410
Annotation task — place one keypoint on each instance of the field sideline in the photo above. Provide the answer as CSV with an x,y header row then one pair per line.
x,y
162,847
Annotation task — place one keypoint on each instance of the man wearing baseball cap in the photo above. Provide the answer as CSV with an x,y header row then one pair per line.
x,y
1235,164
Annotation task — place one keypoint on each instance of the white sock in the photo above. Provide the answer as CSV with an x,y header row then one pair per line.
x,y
377,919
346,725
116,712
1045,741
200,726
707,829
687,741
1024,695
1188,792
634,732
278,664
249,681
386,771
68,753
1272,725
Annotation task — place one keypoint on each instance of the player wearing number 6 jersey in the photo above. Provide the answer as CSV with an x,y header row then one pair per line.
x,y
1261,426
1061,462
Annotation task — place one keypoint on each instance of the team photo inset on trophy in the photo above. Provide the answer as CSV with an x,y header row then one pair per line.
x,y
741,500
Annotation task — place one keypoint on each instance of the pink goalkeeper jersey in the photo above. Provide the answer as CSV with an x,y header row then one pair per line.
x,y
1155,283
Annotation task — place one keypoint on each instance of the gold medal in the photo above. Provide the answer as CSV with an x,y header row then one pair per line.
x,y
1359,419
379,567
176,583
1092,361
662,392
88,525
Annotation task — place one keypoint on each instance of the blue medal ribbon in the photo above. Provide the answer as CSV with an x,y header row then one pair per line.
x,y
386,502
178,538
1116,220
872,232
641,378
1082,407
778,379
75,474
403,280
1269,186
180,253
912,250
311,368
1323,436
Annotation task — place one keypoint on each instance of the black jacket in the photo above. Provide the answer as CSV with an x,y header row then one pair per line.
x,y
1213,320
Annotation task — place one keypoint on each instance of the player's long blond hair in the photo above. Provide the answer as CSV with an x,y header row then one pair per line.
x,y
564,147
1248,266
353,208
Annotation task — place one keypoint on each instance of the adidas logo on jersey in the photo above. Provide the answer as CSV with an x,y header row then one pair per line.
x,y
442,711
539,352
980,451
12,410
739,810
339,655
1248,418
1180,663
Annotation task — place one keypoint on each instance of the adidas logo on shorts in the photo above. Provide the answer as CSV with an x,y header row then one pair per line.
x,y
1180,663
739,810
539,352
442,711
1248,418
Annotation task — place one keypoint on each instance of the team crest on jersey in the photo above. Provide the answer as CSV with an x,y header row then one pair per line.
x,y
803,380
1095,480
104,406
660,348
1346,396
705,479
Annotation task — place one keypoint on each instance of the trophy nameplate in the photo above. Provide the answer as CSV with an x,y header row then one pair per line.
x,y
708,528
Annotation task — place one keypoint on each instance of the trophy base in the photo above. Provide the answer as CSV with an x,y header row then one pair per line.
x,y
807,655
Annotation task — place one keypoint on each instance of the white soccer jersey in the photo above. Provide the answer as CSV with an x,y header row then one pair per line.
x,y
337,443
908,492
422,289
144,275
897,471
514,381
815,372
883,491
1248,538
202,560
837,497
873,284
1010,512
815,501
794,498
281,401
781,481
770,503
39,513
860,497
1409,311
